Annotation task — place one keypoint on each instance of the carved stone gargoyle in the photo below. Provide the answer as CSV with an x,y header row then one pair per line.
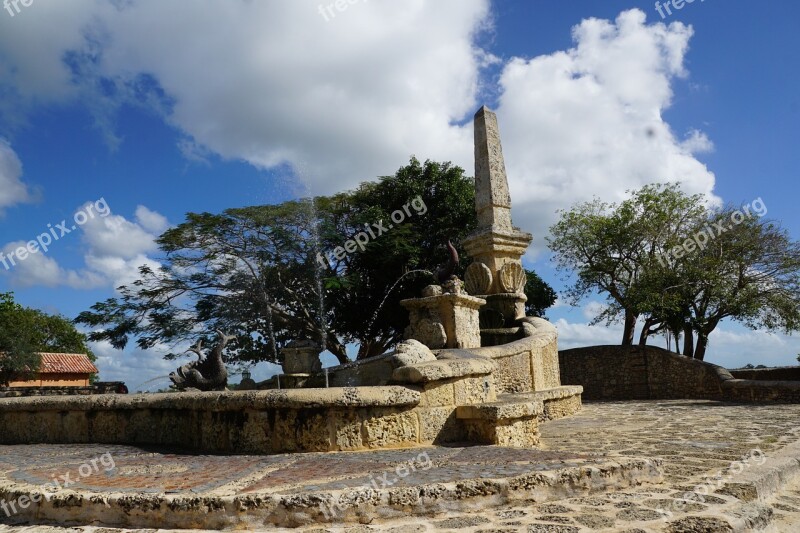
x,y
207,373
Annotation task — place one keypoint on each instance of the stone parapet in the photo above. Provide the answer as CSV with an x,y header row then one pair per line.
x,y
649,372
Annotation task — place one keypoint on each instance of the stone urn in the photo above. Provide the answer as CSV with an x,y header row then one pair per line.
x,y
301,357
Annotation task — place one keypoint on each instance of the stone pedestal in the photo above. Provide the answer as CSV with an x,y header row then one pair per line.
x,y
445,320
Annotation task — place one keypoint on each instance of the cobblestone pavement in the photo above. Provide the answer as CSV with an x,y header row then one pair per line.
x,y
707,447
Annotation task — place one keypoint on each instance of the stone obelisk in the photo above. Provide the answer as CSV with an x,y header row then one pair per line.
x,y
496,246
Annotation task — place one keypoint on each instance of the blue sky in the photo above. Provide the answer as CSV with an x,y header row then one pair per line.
x,y
160,113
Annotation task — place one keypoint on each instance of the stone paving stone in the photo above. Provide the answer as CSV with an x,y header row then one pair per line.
x,y
695,439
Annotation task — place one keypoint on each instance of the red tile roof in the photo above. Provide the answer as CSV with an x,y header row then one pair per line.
x,y
66,363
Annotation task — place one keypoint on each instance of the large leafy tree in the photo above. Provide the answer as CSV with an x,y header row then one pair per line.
x,y
273,273
25,332
748,272
607,246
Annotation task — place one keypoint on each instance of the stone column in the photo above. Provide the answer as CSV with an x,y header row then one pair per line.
x,y
496,246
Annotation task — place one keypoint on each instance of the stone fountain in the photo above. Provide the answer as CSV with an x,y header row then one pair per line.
x,y
474,369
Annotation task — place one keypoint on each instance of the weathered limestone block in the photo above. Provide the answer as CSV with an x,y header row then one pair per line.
x,y
179,427
474,390
514,373
522,433
438,394
412,352
537,369
108,426
444,369
561,407
438,425
142,424
295,431
551,372
71,424
346,428
255,434
492,198
457,314
391,430
505,423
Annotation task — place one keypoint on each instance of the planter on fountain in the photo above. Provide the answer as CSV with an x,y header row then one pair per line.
x,y
300,360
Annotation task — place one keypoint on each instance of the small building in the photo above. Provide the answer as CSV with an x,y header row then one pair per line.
x,y
61,370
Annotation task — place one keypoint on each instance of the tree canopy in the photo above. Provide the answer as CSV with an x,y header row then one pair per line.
x,y
331,269
25,332
662,255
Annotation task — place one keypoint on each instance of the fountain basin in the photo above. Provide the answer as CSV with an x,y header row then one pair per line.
x,y
259,422
405,399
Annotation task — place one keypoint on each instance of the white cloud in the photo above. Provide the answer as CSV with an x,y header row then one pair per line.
x,y
144,370
576,335
151,221
588,121
115,236
350,99
593,309
114,248
38,269
12,190
341,101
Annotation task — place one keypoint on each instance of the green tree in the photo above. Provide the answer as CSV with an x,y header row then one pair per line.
x,y
541,296
270,274
607,247
749,273
25,332
645,255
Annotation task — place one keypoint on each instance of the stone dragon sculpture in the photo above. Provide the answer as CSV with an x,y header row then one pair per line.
x,y
207,373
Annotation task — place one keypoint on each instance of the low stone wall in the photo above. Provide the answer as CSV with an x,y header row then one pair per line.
x,y
785,373
649,372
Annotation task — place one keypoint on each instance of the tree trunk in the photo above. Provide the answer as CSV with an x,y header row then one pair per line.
x,y
630,328
646,331
337,348
702,344
688,340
